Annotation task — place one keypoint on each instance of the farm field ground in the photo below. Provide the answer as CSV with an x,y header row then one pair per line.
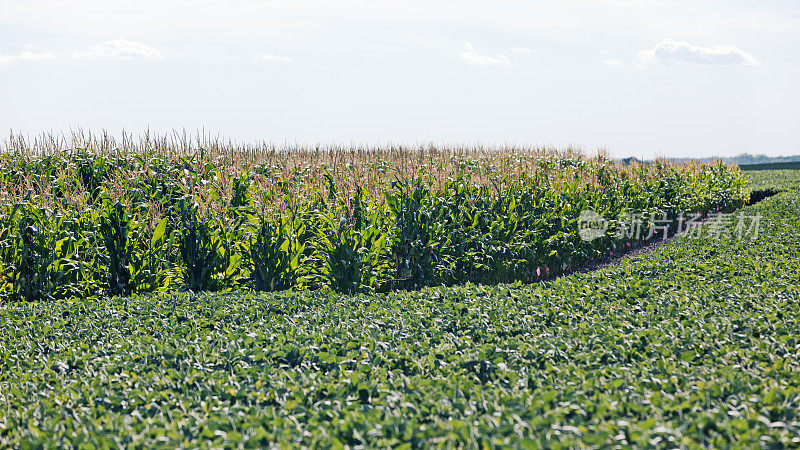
x,y
696,344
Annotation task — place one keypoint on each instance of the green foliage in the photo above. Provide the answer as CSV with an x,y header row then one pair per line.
x,y
273,254
415,230
92,170
202,250
352,249
692,346
114,228
139,227
31,273
241,193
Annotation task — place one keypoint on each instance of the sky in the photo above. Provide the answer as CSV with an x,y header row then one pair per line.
x,y
673,78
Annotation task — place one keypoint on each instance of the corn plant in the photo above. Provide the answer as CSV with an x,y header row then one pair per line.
x,y
352,247
31,271
415,258
274,253
200,249
114,228
91,171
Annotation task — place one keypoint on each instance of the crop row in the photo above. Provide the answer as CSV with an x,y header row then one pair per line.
x,y
144,225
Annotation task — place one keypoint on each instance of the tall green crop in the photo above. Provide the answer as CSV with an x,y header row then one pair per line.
x,y
117,223
273,254
201,250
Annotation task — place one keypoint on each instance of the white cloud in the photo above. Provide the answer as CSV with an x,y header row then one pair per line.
x,y
670,52
270,57
26,55
119,49
613,62
522,50
471,56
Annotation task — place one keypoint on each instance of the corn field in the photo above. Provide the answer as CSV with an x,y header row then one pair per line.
x,y
88,216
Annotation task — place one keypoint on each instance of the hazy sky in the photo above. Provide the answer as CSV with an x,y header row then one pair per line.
x,y
643,78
